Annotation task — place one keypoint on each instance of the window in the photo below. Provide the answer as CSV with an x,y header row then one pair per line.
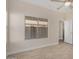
x,y
36,27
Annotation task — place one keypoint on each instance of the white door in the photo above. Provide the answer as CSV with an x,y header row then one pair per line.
x,y
68,31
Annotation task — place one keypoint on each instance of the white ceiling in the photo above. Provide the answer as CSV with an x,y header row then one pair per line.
x,y
49,4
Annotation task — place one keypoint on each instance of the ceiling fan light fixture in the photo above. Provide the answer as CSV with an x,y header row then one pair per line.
x,y
67,3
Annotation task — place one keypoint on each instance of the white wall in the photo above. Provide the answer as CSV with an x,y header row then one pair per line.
x,y
16,27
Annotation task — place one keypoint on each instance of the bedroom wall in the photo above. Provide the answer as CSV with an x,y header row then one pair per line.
x,y
17,11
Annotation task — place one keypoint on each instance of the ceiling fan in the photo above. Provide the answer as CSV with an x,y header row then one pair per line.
x,y
68,3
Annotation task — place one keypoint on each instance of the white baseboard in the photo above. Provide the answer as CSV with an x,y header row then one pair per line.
x,y
19,51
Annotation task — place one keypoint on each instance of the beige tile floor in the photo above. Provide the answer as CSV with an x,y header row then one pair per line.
x,y
61,51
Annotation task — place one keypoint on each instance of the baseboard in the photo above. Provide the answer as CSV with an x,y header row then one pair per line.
x,y
19,51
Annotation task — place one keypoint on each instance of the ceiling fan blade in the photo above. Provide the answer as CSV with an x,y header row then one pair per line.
x,y
60,7
71,6
57,1
68,0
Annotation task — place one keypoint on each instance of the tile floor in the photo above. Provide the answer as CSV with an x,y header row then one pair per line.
x,y
61,51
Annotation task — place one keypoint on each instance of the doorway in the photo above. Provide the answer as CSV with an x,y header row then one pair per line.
x,y
65,31
61,31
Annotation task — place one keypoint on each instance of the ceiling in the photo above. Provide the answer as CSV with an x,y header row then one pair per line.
x,y
52,5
